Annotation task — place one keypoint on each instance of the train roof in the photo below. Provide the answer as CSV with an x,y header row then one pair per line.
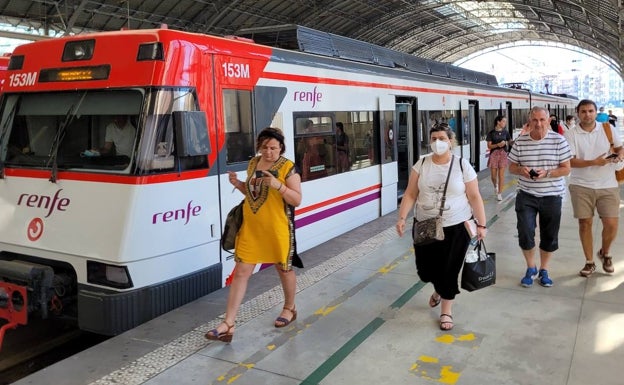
x,y
304,39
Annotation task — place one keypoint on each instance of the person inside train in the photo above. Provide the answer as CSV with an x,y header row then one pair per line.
x,y
119,137
540,189
342,147
497,141
19,143
439,262
272,190
301,145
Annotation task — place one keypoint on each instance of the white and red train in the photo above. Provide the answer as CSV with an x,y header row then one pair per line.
x,y
116,240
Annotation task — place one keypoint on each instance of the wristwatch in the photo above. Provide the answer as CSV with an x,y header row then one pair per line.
x,y
548,174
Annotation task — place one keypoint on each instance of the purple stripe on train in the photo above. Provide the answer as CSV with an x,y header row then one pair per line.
x,y
336,209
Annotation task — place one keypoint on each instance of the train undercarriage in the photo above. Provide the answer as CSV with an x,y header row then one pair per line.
x,y
31,289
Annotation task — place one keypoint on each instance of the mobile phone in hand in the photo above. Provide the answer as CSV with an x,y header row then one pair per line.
x,y
533,174
260,173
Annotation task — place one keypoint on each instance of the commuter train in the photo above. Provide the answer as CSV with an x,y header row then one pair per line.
x,y
4,63
114,240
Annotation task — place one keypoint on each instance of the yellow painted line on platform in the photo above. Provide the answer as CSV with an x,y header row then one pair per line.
x,y
388,268
449,338
429,368
325,310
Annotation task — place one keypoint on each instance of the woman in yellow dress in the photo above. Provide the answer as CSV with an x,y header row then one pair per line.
x,y
267,235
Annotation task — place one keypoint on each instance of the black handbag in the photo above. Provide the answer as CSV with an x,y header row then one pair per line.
x,y
480,273
233,222
431,230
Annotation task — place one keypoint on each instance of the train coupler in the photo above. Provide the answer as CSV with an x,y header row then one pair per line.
x,y
13,307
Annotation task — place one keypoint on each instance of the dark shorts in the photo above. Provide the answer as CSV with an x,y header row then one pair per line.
x,y
530,209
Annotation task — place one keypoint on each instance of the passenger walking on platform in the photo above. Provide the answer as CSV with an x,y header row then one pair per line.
x,y
267,234
592,183
612,119
554,124
440,262
569,122
602,116
541,158
497,140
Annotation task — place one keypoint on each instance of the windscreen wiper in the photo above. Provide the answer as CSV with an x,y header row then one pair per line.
x,y
60,135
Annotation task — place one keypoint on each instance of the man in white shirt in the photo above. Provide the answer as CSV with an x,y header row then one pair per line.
x,y
592,182
120,133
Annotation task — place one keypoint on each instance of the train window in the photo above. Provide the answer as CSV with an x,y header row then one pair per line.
x,y
156,149
315,153
72,130
191,133
322,150
161,147
237,115
363,136
430,118
389,136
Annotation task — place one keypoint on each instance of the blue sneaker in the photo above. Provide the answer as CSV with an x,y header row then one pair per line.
x,y
531,273
544,280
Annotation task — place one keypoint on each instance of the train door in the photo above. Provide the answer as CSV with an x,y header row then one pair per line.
x,y
511,123
405,143
477,153
389,167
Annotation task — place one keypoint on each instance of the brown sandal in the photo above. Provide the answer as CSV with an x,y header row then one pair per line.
x,y
433,300
284,321
446,325
225,336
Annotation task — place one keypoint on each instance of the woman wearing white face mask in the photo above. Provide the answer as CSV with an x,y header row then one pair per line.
x,y
441,261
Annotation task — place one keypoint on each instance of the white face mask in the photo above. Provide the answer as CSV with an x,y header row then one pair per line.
x,y
439,147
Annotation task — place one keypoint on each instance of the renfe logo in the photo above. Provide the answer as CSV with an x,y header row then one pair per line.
x,y
307,96
44,201
35,229
175,215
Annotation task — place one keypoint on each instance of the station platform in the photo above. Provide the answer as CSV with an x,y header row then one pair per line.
x,y
363,318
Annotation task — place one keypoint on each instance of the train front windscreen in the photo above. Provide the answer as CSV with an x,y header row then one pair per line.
x,y
69,130
129,131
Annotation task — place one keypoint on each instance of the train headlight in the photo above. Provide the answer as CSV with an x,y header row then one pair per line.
x,y
108,275
78,50
16,62
151,51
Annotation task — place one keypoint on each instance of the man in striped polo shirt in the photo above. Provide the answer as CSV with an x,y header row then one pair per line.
x,y
541,158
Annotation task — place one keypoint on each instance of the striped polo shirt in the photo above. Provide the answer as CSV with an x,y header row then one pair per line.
x,y
547,153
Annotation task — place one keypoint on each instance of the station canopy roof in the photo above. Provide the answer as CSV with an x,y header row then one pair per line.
x,y
440,30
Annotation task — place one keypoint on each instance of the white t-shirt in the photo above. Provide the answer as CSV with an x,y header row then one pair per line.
x,y
431,186
590,145
122,138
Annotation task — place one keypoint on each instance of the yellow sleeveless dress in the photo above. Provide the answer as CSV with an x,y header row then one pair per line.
x,y
267,234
